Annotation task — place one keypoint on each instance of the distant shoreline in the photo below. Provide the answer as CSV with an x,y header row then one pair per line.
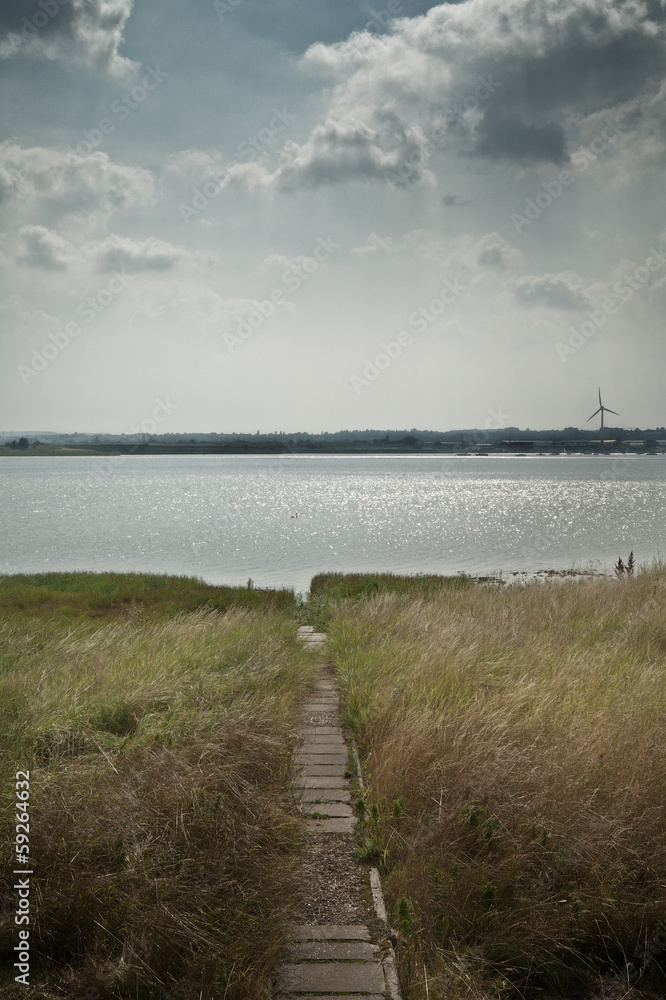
x,y
445,449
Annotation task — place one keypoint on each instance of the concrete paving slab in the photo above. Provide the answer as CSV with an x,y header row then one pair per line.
x,y
328,810
332,977
309,747
321,731
316,737
326,739
319,770
329,932
334,951
322,759
324,795
323,782
337,825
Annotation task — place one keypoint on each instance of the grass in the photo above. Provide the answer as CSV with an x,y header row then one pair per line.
x,y
340,586
514,743
101,595
165,846
329,590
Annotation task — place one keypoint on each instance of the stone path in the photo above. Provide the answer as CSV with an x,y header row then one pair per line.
x,y
326,960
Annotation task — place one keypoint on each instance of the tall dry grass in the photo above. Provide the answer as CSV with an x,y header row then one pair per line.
x,y
514,742
164,847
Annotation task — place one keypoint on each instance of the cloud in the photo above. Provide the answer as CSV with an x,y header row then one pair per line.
x,y
80,32
119,253
195,165
558,291
45,248
339,152
349,150
87,191
475,255
506,135
494,251
455,200
505,78
42,247
417,243
637,146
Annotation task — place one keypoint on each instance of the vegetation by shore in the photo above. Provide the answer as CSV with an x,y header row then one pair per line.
x,y
399,446
158,741
97,595
513,741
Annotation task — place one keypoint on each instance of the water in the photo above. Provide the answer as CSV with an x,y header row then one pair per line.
x,y
227,518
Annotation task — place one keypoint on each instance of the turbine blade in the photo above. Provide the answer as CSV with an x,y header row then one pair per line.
x,y
593,415
611,411
600,403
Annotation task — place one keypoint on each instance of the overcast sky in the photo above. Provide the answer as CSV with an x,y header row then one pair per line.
x,y
323,214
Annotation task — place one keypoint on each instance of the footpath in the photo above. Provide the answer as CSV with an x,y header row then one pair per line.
x,y
342,947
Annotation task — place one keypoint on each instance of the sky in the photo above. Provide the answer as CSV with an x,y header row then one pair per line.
x,y
313,215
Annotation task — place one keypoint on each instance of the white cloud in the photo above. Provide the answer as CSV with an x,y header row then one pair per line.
x,y
416,242
339,152
42,247
503,74
44,183
558,291
494,251
80,32
195,166
638,146
118,253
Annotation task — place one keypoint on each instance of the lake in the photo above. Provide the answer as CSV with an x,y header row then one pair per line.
x,y
280,520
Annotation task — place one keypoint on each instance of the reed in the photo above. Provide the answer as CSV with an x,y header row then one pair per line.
x,y
162,834
513,741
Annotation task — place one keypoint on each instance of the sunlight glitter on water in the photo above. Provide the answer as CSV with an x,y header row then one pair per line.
x,y
225,518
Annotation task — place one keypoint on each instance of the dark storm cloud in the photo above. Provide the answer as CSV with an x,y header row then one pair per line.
x,y
507,135
87,32
550,64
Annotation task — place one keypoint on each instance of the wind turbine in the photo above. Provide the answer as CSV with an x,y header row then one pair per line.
x,y
602,409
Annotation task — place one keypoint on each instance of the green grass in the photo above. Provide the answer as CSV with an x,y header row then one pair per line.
x,y
165,844
328,590
100,595
339,586
513,742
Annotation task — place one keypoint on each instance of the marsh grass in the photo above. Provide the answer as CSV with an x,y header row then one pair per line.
x,y
514,743
164,844
327,590
344,585
100,595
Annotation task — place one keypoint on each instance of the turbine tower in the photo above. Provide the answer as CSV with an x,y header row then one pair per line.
x,y
602,409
